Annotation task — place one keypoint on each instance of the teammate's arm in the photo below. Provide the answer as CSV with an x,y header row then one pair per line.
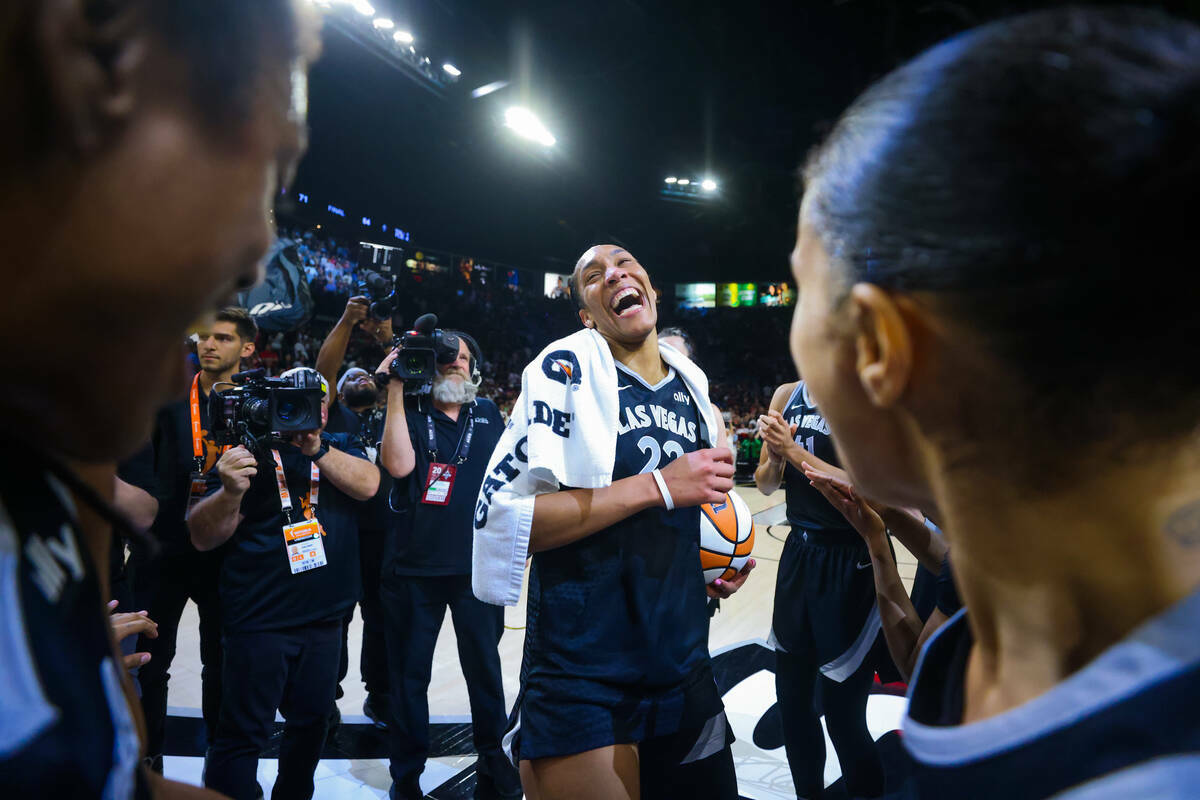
x,y
136,503
333,349
929,548
396,449
723,436
770,463
216,517
569,515
903,628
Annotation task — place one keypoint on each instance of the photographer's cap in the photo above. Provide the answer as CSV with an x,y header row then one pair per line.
x,y
294,371
350,373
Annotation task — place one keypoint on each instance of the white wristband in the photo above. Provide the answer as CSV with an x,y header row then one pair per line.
x,y
662,487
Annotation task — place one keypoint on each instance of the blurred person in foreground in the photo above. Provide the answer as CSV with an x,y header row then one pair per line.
x,y
143,146
969,234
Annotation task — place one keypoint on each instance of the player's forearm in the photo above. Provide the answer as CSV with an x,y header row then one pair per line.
x,y
396,450
797,456
900,621
137,504
214,519
333,350
769,475
569,515
929,548
356,477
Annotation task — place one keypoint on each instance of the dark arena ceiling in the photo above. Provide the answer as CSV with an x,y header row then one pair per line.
x,y
634,91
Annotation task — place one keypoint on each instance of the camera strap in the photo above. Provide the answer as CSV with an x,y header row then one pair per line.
x,y
285,496
464,442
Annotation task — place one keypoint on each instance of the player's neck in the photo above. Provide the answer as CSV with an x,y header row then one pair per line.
x,y
1053,578
643,359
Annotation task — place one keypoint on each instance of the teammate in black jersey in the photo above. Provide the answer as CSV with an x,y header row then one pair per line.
x,y
618,698
825,623
997,316
140,150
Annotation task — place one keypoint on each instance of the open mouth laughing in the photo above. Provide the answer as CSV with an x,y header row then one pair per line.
x,y
627,302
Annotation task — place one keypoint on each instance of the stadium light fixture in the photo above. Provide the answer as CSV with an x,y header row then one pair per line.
x,y
525,123
684,182
364,8
709,185
671,179
451,70
403,37
488,88
383,23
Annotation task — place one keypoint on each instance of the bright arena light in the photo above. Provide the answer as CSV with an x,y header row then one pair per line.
x,y
403,37
364,8
451,70
487,89
671,179
525,123
383,23
709,185
684,181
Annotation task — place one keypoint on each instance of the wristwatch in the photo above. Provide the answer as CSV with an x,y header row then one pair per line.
x,y
322,449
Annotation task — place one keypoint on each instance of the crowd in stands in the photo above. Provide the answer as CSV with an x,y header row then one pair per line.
x,y
513,323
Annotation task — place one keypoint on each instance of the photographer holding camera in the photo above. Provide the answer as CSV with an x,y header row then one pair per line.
x,y
288,578
353,411
437,445
184,452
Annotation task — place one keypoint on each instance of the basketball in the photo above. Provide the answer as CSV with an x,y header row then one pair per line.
x,y
726,537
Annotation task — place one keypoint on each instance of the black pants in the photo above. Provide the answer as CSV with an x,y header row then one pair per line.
x,y
372,662
163,586
845,705
292,670
415,608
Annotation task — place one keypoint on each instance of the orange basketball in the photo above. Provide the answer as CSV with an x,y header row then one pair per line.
x,y
726,537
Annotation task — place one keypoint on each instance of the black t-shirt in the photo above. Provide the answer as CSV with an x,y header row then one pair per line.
x,y
137,471
368,426
174,463
948,601
258,590
432,539
65,727
807,508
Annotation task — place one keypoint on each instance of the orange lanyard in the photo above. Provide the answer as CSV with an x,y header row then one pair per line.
x,y
285,496
197,431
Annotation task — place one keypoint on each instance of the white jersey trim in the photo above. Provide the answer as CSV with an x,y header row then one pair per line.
x,y
1157,651
1166,778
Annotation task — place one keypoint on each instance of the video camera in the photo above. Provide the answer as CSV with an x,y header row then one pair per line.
x,y
381,290
258,408
422,349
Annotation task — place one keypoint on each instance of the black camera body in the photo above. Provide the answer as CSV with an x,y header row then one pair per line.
x,y
421,350
381,290
259,408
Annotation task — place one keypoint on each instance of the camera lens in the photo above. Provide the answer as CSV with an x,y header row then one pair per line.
x,y
286,409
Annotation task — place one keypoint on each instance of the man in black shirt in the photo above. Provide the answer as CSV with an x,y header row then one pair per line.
x,y
437,448
288,577
184,454
354,411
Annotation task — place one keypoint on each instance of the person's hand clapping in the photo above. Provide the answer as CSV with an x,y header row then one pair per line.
x,y
237,467
704,476
841,495
776,434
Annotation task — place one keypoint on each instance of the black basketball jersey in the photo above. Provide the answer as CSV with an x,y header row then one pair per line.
x,y
807,508
626,605
65,727
1124,726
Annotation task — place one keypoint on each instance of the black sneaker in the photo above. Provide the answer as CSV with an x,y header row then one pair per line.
x,y
378,709
408,789
334,724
